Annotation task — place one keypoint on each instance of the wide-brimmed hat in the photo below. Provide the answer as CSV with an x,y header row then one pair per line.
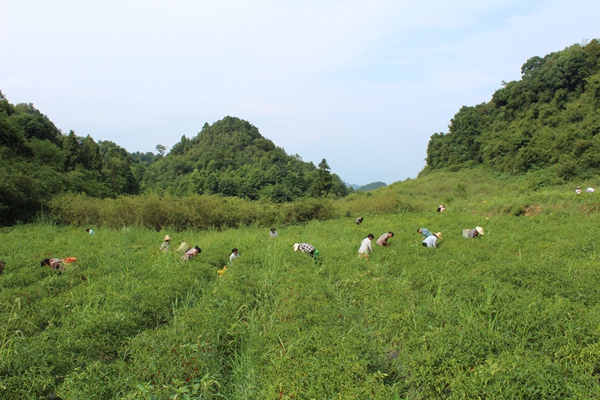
x,y
479,230
296,245
439,235
167,237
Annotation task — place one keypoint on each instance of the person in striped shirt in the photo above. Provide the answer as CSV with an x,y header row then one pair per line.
x,y
305,248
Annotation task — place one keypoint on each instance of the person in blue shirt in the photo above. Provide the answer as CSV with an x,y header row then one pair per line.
x,y
425,232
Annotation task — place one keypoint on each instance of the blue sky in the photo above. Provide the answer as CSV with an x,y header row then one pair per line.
x,y
363,84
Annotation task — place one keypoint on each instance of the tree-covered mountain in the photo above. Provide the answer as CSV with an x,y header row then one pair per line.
x,y
232,158
38,162
548,121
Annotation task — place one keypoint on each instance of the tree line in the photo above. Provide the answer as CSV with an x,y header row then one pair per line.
x,y
230,158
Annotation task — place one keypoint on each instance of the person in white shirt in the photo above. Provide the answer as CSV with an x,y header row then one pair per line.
x,y
365,247
234,254
431,241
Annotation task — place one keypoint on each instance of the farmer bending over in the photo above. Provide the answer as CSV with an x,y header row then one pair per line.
x,y
425,232
383,239
54,263
193,252
305,248
431,241
365,247
473,233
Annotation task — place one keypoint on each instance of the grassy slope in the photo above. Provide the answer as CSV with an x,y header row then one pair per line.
x,y
514,314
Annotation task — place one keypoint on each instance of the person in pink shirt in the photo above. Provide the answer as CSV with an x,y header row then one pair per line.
x,y
383,239
193,252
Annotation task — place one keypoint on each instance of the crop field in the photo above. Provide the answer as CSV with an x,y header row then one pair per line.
x,y
513,314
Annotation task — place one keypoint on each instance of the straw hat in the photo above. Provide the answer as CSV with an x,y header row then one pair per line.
x,y
479,230
439,235
296,245
167,237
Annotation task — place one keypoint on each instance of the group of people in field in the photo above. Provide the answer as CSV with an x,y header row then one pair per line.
x,y
364,251
366,247
184,248
429,240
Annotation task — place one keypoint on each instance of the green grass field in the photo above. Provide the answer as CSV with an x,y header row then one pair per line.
x,y
514,314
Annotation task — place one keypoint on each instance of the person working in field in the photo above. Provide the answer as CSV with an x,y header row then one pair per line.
x,y
441,208
164,247
54,263
473,233
305,248
89,231
273,233
193,252
425,232
431,241
234,254
383,239
359,220
366,248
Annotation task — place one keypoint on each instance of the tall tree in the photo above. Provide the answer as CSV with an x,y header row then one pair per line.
x,y
323,183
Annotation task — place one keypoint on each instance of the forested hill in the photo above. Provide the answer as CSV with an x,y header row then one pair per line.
x,y
232,158
39,162
548,121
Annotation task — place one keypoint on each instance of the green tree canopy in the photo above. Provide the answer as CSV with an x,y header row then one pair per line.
x,y
548,119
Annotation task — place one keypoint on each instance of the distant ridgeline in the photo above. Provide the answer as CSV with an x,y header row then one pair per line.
x,y
549,121
231,158
371,186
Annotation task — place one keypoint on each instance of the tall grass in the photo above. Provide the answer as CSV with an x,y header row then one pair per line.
x,y
474,191
511,315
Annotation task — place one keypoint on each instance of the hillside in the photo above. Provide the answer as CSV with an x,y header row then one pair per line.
x,y
38,162
547,122
232,158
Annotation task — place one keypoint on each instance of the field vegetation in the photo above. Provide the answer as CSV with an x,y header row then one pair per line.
x,y
514,314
